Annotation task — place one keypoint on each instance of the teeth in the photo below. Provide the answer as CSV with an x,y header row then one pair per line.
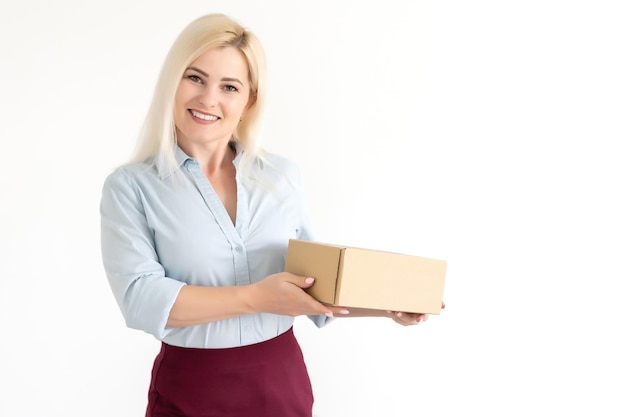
x,y
203,116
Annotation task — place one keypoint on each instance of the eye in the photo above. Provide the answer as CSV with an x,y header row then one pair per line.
x,y
194,78
231,88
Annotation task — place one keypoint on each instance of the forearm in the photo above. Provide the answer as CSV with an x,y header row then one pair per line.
x,y
198,304
280,293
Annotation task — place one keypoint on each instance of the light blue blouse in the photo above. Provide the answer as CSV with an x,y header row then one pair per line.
x,y
159,232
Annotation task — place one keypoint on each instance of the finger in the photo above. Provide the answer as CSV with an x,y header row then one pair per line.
x,y
321,308
302,282
343,311
398,317
325,310
306,282
408,319
401,318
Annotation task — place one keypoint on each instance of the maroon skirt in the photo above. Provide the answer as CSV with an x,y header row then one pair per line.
x,y
267,379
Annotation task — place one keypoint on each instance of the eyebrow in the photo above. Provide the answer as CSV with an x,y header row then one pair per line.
x,y
228,79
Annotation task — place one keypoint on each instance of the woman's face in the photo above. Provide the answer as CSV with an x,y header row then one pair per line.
x,y
211,98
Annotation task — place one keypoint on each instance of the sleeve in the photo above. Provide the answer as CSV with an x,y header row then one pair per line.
x,y
137,279
305,229
305,232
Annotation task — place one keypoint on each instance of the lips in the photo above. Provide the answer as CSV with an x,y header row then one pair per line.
x,y
203,116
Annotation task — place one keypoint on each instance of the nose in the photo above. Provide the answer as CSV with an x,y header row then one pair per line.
x,y
209,96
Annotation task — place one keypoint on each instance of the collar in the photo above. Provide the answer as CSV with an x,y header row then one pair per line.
x,y
181,158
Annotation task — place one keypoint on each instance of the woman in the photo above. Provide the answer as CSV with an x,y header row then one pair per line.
x,y
194,236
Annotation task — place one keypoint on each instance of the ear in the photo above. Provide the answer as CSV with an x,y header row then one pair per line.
x,y
251,101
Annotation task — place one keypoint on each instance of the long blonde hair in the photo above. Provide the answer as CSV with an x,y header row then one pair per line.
x,y
157,138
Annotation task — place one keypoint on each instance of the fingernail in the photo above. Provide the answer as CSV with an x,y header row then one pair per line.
x,y
329,314
398,314
309,280
344,311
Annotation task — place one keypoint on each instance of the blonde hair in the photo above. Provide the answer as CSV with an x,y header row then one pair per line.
x,y
157,138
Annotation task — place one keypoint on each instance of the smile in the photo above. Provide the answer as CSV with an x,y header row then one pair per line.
x,y
203,116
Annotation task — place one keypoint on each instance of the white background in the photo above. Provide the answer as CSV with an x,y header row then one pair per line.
x,y
486,133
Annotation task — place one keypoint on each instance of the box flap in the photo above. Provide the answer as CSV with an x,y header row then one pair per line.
x,y
321,262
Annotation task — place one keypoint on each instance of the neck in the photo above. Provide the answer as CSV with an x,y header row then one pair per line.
x,y
212,159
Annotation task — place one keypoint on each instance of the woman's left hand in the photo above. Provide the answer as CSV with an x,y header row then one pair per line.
x,y
400,317
407,319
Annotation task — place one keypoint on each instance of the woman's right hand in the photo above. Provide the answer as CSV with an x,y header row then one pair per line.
x,y
283,293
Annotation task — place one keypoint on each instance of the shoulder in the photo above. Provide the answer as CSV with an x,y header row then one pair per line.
x,y
272,171
283,164
279,171
129,175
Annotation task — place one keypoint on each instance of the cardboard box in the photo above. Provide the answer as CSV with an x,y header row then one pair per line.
x,y
356,277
